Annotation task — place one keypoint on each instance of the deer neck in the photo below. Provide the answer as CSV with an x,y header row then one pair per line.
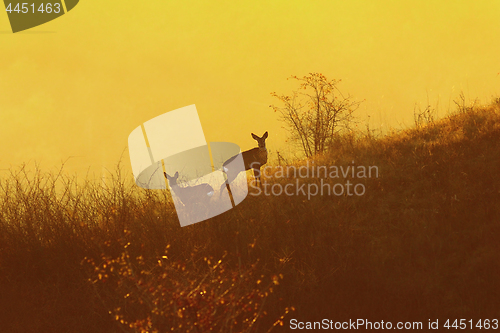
x,y
263,154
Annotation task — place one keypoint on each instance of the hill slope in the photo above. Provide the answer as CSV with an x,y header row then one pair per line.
x,y
422,242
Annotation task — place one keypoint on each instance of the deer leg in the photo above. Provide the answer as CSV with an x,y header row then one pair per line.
x,y
224,185
229,190
256,174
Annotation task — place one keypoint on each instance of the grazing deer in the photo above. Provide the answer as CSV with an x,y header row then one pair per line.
x,y
190,194
253,159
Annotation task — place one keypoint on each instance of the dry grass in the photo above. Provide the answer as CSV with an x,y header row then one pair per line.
x,y
421,243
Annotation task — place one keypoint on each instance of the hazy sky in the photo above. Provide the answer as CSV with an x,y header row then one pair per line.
x,y
77,86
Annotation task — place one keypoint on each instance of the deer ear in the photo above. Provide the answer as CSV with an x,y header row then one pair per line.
x,y
264,136
255,136
176,174
166,175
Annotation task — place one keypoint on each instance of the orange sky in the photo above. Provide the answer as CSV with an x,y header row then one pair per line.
x,y
77,86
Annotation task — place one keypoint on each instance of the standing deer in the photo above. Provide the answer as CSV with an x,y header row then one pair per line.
x,y
190,194
253,159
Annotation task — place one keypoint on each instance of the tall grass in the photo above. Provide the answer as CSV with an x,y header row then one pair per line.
x,y
77,258
421,243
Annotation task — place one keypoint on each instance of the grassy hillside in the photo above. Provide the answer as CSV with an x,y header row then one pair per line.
x,y
421,243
